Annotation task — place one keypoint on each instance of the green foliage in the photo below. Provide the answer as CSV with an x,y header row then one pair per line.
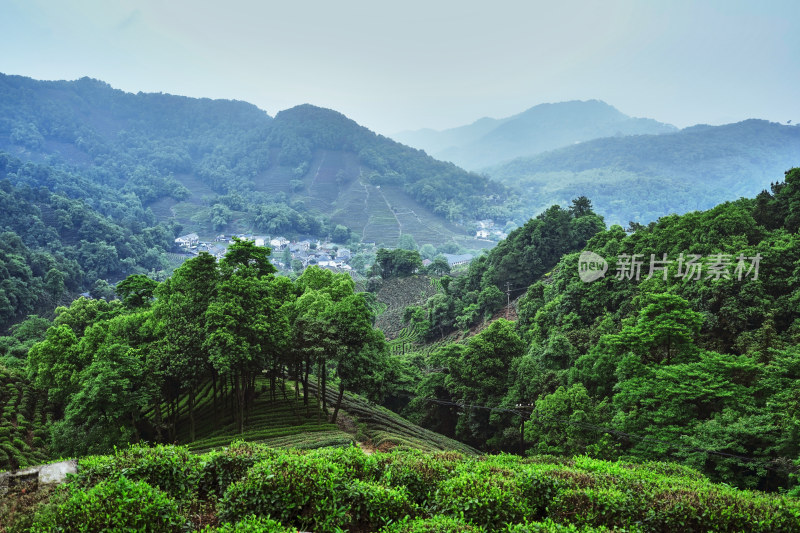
x,y
436,524
218,469
488,501
252,524
293,490
396,263
344,489
515,263
113,505
171,469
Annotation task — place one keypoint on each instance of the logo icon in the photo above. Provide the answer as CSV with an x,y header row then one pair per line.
x,y
591,267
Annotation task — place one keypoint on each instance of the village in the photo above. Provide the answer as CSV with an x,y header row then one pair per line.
x,y
295,256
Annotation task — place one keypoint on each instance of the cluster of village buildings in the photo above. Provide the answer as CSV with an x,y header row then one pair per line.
x,y
489,231
324,254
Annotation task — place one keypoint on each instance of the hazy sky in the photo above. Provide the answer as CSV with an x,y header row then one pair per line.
x,y
405,65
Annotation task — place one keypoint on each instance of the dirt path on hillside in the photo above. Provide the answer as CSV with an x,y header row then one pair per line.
x,y
316,174
399,224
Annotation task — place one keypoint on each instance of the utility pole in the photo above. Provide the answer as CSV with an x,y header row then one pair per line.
x,y
508,297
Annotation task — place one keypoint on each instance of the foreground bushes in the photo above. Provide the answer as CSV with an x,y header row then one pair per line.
x,y
251,488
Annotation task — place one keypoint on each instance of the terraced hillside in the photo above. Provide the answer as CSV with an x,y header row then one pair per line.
x,y
22,433
338,185
397,294
386,430
284,422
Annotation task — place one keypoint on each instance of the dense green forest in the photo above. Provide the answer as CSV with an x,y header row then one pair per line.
x,y
528,253
218,165
643,177
62,236
115,372
696,365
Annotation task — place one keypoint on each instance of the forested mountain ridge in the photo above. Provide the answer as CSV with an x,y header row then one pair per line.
x,y
227,166
691,356
488,142
56,244
641,178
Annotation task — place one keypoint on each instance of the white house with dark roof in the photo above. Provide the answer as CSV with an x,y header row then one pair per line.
x,y
188,240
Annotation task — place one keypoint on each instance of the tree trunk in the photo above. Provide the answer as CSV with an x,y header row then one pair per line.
x,y
305,385
240,399
214,383
323,370
191,413
136,437
338,402
158,420
319,406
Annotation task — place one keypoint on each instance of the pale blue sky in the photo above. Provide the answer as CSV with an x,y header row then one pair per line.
x,y
412,64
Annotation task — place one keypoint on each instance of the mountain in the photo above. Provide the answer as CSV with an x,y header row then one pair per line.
x,y
488,141
226,166
370,183
641,178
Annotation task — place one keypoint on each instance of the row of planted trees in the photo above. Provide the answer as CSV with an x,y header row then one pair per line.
x,y
116,372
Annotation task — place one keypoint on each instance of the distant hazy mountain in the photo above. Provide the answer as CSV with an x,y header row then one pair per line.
x,y
488,141
641,178
226,166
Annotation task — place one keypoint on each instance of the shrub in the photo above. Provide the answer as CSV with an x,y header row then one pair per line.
x,y
538,489
112,505
352,460
171,468
371,505
419,472
297,490
485,500
437,524
219,469
252,524
548,526
597,507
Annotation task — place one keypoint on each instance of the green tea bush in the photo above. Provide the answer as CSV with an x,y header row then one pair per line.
x,y
218,469
720,509
548,526
597,507
538,489
371,505
355,464
112,505
297,490
171,468
480,499
251,524
436,524
417,471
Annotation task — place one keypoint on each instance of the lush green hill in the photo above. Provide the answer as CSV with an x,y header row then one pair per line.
x,y
694,361
642,178
488,142
217,165
55,246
